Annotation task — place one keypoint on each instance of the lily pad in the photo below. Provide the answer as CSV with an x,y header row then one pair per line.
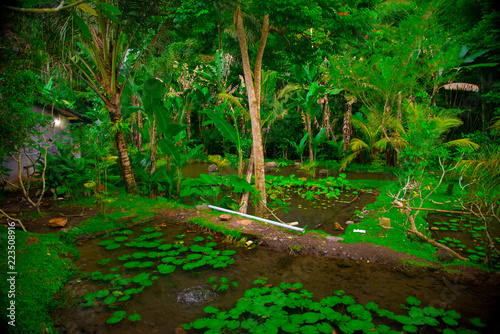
x,y
124,298
113,246
153,235
146,264
165,269
228,252
133,264
102,293
110,300
165,247
117,317
148,230
138,255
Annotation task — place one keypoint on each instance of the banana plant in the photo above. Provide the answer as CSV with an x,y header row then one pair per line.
x,y
308,92
227,130
301,146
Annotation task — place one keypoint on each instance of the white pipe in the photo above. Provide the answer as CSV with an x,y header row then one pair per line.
x,y
257,218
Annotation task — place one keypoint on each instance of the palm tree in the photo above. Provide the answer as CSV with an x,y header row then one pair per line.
x,y
101,44
425,127
373,142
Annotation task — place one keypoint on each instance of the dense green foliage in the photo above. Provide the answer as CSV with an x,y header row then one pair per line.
x,y
407,87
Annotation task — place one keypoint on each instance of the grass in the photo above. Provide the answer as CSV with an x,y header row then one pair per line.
x,y
43,265
413,263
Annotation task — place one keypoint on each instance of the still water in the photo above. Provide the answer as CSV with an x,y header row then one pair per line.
x,y
181,296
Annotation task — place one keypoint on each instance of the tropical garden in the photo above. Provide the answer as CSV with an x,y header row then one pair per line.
x,y
385,111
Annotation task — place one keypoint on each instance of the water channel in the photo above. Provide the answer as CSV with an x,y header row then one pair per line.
x,y
181,296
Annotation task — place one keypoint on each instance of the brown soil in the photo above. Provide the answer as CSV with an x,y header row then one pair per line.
x,y
261,233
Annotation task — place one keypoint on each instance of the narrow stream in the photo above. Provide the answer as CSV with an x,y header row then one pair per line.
x,y
181,296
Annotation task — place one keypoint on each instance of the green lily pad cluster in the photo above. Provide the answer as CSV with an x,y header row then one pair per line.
x,y
155,256
222,285
321,193
288,308
119,315
465,224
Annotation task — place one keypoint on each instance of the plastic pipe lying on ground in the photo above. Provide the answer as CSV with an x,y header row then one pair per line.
x,y
257,218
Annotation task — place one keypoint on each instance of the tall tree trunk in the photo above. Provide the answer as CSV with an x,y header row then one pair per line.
x,y
309,131
121,144
244,197
347,126
400,112
137,118
153,146
253,90
382,124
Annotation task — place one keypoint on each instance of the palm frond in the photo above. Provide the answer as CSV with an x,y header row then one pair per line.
x,y
357,145
464,143
236,102
495,127
347,160
380,144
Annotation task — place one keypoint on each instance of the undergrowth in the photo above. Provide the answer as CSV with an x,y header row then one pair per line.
x,y
43,265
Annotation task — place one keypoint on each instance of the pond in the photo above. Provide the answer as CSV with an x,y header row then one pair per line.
x,y
194,170
181,296
464,234
327,215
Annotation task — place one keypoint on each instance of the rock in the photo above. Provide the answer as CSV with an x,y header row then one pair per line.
x,y
196,295
180,330
385,222
323,172
58,222
244,222
349,222
334,239
444,255
126,219
202,207
270,166
225,217
212,168
65,230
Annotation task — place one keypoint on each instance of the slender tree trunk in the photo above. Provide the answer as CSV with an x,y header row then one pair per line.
x,y
244,197
309,131
121,144
347,126
400,112
253,91
137,118
382,124
153,146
